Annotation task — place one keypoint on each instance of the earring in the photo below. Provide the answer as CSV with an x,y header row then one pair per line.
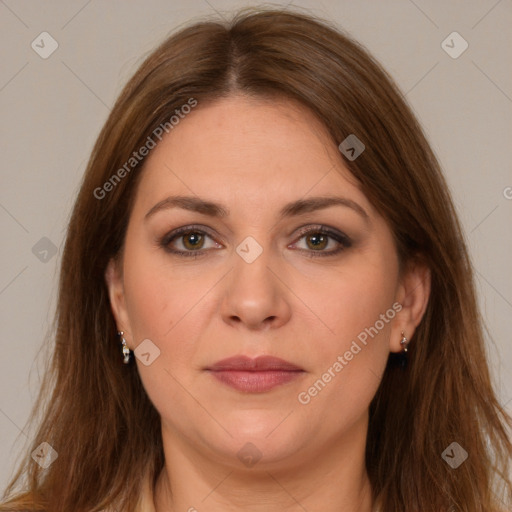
x,y
404,342
403,355
126,350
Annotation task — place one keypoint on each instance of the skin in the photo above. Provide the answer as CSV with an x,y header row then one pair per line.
x,y
254,156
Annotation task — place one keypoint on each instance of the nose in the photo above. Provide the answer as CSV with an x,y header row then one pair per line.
x,y
255,295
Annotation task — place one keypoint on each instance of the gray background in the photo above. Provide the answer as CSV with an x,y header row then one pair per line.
x,y
53,108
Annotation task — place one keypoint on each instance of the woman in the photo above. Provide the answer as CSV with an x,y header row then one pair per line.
x,y
265,238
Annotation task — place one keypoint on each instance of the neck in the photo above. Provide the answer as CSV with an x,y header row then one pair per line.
x,y
333,478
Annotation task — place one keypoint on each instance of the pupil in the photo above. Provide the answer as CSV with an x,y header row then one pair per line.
x,y
193,239
317,240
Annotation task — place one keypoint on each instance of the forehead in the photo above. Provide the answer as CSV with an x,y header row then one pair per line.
x,y
247,150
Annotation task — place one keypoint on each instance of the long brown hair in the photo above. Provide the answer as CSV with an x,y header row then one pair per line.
x,y
99,419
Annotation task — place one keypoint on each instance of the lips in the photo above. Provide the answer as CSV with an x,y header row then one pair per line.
x,y
256,375
261,363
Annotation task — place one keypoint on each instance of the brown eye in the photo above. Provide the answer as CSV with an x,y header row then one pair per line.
x,y
188,241
193,240
317,241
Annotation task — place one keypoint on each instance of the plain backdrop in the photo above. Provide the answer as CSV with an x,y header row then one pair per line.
x,y
53,108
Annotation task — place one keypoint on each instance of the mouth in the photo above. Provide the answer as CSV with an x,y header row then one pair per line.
x,y
257,375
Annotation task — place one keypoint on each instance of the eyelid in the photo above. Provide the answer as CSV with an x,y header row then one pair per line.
x,y
176,233
321,228
341,238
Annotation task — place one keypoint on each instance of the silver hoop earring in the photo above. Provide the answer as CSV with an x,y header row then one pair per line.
x,y
126,350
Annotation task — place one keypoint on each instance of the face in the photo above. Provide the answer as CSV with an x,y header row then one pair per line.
x,y
287,259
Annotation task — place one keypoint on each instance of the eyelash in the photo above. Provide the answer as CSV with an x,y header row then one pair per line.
x,y
342,239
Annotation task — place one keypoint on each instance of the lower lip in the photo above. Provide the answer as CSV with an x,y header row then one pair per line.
x,y
256,381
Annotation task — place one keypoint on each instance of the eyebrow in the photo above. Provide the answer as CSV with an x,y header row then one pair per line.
x,y
295,208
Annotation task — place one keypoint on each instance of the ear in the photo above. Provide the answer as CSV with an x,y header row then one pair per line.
x,y
413,293
115,285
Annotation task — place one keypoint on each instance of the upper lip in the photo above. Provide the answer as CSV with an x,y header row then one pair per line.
x,y
248,364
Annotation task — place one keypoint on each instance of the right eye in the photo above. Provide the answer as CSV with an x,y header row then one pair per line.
x,y
190,241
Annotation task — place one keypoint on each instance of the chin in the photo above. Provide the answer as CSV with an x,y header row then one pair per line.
x,y
267,441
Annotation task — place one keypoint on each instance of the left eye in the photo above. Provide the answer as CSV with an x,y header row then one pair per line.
x,y
318,239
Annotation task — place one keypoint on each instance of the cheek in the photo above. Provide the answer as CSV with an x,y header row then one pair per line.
x,y
148,299
166,305
371,293
158,296
160,304
350,299
357,306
